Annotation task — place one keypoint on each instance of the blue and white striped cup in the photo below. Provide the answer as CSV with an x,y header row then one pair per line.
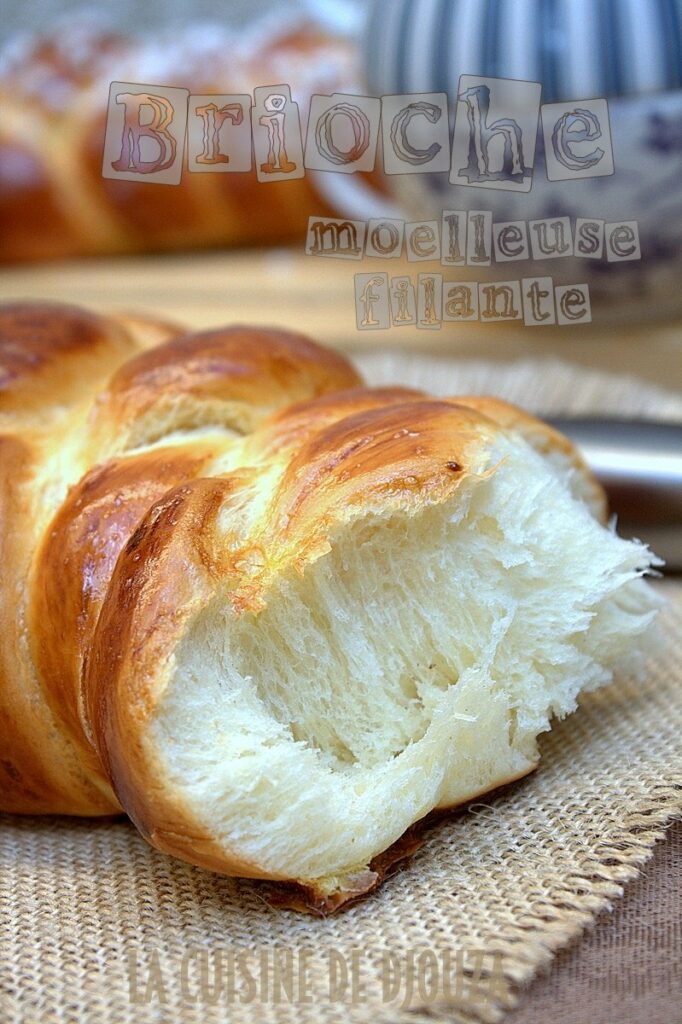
x,y
574,47
629,51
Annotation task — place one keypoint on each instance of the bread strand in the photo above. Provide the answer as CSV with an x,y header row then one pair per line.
x,y
72,494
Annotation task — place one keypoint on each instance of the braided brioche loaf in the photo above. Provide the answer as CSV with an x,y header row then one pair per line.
x,y
53,94
273,615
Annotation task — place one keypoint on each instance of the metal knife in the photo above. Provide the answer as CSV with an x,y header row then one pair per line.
x,y
639,463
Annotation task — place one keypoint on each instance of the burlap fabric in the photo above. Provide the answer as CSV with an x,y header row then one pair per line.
x,y
627,967
96,926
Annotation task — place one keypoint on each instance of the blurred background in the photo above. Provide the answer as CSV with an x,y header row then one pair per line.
x,y
126,15
222,246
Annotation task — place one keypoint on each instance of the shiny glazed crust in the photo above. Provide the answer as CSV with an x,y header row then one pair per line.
x,y
72,387
121,517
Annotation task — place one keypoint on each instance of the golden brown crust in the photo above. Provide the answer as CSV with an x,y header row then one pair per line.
x,y
230,377
544,439
59,546
406,453
293,425
54,200
74,565
50,356
51,353
38,770
165,573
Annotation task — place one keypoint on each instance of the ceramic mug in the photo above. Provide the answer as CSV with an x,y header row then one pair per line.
x,y
628,51
576,48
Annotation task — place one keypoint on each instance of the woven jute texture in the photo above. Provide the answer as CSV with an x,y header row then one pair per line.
x,y
97,926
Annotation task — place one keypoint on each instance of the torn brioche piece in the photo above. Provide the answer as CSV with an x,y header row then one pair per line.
x,y
97,421
363,612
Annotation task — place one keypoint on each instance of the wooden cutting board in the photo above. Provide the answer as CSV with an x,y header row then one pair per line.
x,y
284,287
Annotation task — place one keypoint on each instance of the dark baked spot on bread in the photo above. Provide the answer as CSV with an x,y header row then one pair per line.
x,y
32,333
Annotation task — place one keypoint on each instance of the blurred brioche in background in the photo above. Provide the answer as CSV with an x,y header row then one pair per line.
x,y
54,89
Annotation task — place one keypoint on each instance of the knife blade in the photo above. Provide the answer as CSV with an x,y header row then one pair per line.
x,y
639,464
